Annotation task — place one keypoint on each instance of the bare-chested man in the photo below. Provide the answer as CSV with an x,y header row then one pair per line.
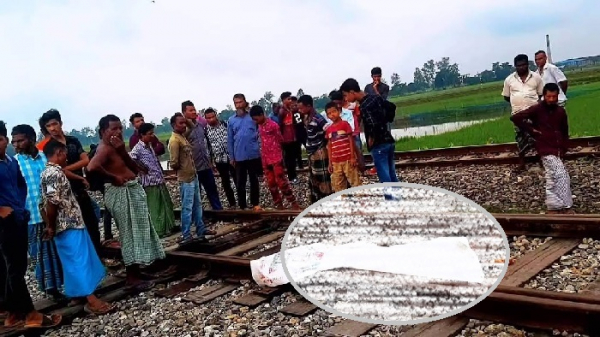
x,y
125,199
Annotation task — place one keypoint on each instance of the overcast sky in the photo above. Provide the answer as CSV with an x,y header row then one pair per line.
x,y
88,58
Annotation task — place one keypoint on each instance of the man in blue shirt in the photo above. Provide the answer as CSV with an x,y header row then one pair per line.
x,y
242,144
32,163
16,304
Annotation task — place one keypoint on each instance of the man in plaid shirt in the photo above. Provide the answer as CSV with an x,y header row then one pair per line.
x,y
216,134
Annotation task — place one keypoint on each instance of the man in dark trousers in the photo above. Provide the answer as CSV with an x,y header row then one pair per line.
x,y
300,131
290,144
244,152
197,137
378,88
16,305
380,142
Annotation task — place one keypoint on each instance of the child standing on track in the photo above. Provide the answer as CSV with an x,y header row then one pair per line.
x,y
341,150
272,158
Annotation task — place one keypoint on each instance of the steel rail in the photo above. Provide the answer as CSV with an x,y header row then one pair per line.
x,y
563,226
500,159
514,305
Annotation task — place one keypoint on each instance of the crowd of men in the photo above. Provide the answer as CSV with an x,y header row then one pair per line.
x,y
47,213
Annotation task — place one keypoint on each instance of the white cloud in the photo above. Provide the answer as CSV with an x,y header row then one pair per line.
x,y
89,58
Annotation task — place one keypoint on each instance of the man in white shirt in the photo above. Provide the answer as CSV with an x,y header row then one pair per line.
x,y
522,89
552,74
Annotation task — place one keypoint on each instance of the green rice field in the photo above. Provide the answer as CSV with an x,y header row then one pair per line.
x,y
583,109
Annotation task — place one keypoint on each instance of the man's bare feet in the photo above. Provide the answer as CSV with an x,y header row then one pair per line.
x,y
257,209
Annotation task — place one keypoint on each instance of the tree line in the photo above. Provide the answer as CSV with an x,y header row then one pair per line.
x,y
433,75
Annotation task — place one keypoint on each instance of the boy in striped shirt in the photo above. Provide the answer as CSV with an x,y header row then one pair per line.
x,y
341,151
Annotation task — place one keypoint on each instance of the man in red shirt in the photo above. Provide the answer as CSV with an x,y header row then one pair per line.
x,y
271,139
341,150
550,129
290,143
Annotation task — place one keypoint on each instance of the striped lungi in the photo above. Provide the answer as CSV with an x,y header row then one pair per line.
x,y
319,177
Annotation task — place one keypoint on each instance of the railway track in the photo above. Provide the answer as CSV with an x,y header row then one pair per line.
x,y
227,255
495,154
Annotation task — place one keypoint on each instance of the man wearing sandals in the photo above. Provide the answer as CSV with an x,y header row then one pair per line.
x,y
16,305
125,199
548,124
81,267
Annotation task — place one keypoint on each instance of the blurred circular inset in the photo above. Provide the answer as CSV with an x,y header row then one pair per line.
x,y
395,253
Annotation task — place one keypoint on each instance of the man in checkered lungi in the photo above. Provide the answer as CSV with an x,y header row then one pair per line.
x,y
126,200
316,148
549,126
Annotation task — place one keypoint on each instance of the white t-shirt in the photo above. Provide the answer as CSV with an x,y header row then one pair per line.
x,y
523,94
552,74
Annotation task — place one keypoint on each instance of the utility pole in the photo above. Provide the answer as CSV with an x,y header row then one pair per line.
x,y
548,51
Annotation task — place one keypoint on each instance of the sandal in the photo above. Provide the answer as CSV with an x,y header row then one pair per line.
x,y
104,310
15,324
48,321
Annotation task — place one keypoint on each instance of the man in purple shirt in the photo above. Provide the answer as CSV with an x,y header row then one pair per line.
x,y
136,120
202,121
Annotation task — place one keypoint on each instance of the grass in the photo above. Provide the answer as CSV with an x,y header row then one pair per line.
x,y
475,95
584,120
